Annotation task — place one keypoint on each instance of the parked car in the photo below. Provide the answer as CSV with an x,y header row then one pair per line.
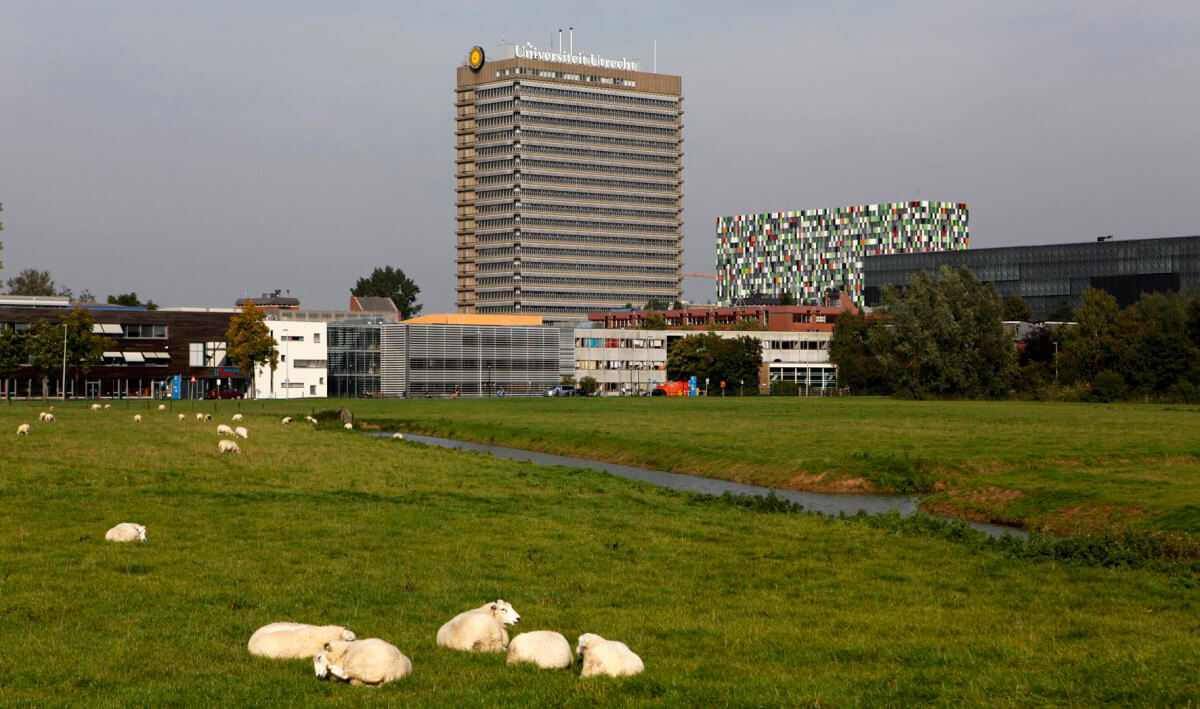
x,y
658,391
223,394
563,390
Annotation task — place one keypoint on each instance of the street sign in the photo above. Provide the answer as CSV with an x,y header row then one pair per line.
x,y
176,385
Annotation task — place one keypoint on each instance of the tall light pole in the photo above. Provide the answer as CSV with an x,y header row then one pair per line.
x,y
287,377
63,393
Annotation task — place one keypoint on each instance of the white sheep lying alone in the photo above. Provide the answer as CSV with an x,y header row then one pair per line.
x,y
398,436
544,648
606,657
223,430
241,432
23,429
227,446
480,629
126,532
371,662
294,641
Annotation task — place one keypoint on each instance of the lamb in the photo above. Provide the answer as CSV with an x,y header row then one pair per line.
x,y
606,657
294,641
236,417
241,432
223,430
182,417
137,418
126,532
95,407
227,446
545,648
162,407
286,420
480,629
371,662
23,429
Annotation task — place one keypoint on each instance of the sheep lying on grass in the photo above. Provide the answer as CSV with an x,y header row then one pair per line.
x,y
223,430
294,641
137,418
349,427
544,648
398,436
23,429
371,662
126,532
480,629
606,657
227,446
241,432
236,417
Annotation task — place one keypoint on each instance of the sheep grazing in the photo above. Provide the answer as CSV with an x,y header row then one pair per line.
x,y
126,532
398,436
137,418
49,417
208,417
368,662
227,446
42,416
311,420
51,408
162,407
606,657
545,648
95,407
107,407
349,427
199,417
286,420
223,430
236,417
294,641
480,629
182,417
23,429
241,432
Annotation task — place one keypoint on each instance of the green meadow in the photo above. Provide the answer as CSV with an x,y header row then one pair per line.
x,y
726,605
1061,468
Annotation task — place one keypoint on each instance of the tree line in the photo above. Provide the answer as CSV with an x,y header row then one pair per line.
x,y
943,337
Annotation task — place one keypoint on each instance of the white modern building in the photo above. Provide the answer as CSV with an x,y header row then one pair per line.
x,y
303,362
634,361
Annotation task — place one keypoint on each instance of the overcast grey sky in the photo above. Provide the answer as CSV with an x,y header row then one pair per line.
x,y
196,152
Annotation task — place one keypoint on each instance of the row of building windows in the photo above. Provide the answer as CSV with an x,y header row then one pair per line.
x,y
493,107
601,126
668,282
597,140
528,250
497,222
578,267
602,299
568,237
599,182
570,75
626,99
598,168
596,111
658,159
526,208
614,198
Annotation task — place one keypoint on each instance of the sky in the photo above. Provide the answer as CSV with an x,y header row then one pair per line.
x,y
197,153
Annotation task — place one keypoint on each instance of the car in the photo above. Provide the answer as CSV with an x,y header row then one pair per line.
x,y
563,390
659,391
222,394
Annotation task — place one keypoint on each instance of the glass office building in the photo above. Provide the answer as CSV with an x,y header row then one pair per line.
x,y
1049,277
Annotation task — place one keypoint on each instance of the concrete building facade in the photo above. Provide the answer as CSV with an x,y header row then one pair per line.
x,y
569,183
303,361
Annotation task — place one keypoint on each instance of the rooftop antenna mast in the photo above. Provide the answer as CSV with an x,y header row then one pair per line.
x,y
560,40
571,35
656,56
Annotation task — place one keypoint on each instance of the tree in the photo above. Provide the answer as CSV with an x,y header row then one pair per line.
x,y
677,305
856,349
588,385
131,300
749,325
248,342
787,298
388,282
13,356
1015,308
86,297
1088,348
947,338
733,360
32,282
654,321
84,349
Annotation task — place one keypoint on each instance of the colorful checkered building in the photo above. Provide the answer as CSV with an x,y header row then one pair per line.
x,y
806,253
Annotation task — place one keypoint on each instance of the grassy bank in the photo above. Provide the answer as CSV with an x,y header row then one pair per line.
x,y
726,605
1063,468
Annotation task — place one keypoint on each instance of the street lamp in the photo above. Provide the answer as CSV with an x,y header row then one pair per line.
x,y
287,377
63,393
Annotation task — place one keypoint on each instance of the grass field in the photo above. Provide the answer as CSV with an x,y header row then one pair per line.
x,y
727,607
1063,468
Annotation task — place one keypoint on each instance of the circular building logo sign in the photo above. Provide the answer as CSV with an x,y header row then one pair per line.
x,y
475,58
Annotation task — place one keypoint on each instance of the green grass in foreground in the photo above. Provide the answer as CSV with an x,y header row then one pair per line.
x,y
1064,468
726,606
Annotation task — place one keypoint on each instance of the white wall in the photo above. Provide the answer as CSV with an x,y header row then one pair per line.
x,y
303,362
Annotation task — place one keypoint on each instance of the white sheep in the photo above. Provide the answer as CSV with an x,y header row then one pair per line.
x,y
362,662
480,629
126,532
241,432
162,407
398,436
51,408
49,417
606,657
311,420
236,417
42,416
349,427
23,429
182,417
223,430
227,446
294,641
107,407
137,418
286,420
208,417
545,648
95,407
199,417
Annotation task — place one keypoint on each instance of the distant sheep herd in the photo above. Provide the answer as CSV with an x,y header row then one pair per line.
x,y
337,653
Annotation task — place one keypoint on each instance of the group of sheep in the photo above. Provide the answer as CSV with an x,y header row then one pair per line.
x,y
338,653
43,416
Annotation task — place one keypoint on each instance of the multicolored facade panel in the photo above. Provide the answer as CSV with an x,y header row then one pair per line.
x,y
805,253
